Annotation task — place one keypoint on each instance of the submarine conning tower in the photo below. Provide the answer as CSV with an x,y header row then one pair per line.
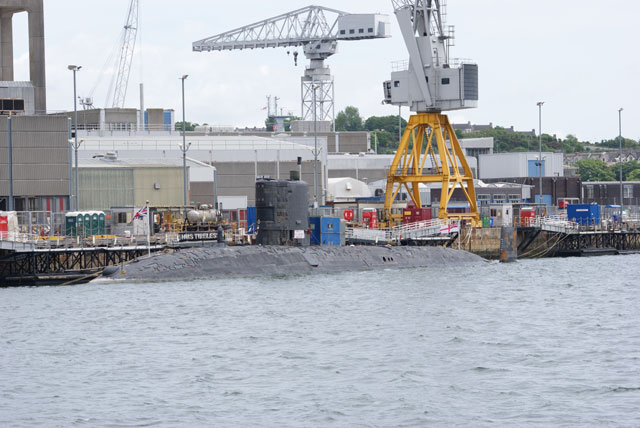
x,y
283,212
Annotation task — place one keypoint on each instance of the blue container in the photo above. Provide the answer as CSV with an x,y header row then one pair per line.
x,y
325,230
584,214
330,239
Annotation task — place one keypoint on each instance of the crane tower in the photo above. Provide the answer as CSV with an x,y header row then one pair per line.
x,y
430,83
317,30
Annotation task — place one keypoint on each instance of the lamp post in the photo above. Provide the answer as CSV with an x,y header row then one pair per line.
x,y
75,143
540,104
184,147
315,150
620,159
10,141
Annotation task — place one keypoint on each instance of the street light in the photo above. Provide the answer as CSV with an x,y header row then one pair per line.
x,y
76,145
540,104
620,158
11,207
184,146
315,149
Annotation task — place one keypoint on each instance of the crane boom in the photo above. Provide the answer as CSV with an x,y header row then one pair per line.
x,y
125,59
290,29
317,30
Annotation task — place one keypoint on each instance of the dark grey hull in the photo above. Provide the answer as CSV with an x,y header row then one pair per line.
x,y
224,261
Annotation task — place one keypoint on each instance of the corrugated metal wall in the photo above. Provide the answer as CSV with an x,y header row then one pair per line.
x,y
40,156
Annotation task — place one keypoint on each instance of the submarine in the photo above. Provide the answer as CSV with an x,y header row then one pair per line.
x,y
283,248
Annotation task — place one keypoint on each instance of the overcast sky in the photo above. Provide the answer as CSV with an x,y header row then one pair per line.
x,y
579,56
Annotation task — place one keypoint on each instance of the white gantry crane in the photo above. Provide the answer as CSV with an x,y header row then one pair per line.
x,y
429,84
317,30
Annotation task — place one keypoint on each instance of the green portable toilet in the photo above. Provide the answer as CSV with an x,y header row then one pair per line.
x,y
87,224
486,221
80,224
95,223
101,223
70,222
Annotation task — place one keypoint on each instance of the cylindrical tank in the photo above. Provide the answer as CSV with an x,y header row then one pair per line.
x,y
203,216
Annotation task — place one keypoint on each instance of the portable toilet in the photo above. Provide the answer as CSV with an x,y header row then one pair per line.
x,y
101,223
95,223
87,224
80,224
70,224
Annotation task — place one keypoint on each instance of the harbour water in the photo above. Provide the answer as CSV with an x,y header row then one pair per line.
x,y
550,342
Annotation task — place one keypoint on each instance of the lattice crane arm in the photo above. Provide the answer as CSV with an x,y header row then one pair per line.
x,y
125,59
293,28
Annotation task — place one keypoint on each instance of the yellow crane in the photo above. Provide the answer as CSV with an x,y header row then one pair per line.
x,y
429,151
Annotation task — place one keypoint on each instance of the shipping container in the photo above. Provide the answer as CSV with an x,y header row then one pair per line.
x,y
325,230
584,214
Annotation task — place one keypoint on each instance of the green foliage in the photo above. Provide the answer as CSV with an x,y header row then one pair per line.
x,y
349,120
634,175
614,144
594,170
627,169
386,129
190,126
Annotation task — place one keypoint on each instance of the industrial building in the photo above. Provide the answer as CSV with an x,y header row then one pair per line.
x,y
107,182
41,163
238,161
520,164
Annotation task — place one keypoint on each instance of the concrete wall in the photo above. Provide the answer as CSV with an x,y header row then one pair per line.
x,y
40,156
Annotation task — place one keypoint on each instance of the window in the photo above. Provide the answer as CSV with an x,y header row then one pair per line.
x,y
589,191
361,30
628,191
445,80
484,199
352,31
499,198
513,197
370,30
343,32
396,84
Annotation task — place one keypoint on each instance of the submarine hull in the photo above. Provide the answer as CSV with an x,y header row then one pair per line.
x,y
244,261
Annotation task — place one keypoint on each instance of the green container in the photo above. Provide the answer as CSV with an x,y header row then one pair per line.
x,y
70,222
101,224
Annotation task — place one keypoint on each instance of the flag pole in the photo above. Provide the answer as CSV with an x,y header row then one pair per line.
x,y
148,229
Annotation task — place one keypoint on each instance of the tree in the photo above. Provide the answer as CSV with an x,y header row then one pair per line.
x,y
634,176
594,170
349,120
627,169
190,126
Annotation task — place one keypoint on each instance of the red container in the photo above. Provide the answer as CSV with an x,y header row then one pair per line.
x,y
370,219
527,216
414,215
